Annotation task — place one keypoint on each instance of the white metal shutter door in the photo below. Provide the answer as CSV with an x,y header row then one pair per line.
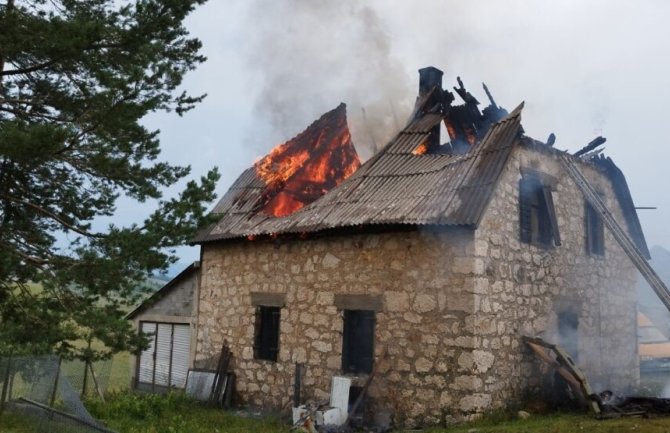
x,y
146,369
181,348
163,347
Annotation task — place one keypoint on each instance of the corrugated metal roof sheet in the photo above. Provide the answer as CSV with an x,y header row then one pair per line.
x,y
393,187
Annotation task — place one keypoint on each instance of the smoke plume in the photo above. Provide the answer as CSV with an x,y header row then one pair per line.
x,y
309,56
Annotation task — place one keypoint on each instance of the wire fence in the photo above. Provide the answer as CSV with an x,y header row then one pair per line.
x,y
48,390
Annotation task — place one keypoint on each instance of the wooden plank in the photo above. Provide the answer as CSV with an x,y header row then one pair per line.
x,y
566,367
565,374
297,384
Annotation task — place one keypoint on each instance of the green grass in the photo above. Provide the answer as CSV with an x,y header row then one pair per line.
x,y
561,423
173,413
15,423
119,377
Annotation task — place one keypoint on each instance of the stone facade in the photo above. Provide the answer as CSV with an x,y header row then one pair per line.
x,y
454,303
525,288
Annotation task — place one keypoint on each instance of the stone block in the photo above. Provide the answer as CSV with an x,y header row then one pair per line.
x,y
446,399
483,360
330,261
461,302
475,403
248,353
412,317
462,265
424,303
322,346
396,301
325,298
468,383
334,362
423,365
402,365
481,248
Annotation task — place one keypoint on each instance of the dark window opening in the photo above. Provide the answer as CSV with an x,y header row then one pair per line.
x,y
568,337
537,216
595,232
266,345
358,341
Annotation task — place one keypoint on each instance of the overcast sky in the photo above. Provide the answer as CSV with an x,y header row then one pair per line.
x,y
583,68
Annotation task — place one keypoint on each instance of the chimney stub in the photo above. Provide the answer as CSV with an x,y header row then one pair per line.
x,y
429,77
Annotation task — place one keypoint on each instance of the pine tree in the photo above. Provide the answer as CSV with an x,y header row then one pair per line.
x,y
76,78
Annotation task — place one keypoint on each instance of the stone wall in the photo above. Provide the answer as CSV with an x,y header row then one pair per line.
x,y
454,305
525,287
424,280
180,300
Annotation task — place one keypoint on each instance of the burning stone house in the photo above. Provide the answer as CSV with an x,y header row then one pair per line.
x,y
429,260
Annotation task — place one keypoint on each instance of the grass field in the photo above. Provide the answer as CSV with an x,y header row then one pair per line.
x,y
150,413
562,423
128,413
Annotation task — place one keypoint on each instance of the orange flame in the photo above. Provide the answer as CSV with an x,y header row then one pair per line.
x,y
450,129
471,136
460,132
304,168
421,149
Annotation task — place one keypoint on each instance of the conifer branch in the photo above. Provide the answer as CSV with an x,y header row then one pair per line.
x,y
53,216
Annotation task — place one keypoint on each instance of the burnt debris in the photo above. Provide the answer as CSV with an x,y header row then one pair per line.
x,y
465,123
591,146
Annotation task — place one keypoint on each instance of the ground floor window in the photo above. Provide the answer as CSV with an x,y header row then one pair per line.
x,y
266,344
358,341
165,362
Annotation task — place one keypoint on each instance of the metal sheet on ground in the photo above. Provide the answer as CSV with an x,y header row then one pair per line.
x,y
199,384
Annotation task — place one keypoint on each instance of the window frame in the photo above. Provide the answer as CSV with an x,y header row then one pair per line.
x,y
355,360
152,351
537,214
594,228
267,330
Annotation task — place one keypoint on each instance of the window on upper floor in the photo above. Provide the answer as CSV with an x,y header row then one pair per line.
x,y
595,231
266,342
358,341
537,216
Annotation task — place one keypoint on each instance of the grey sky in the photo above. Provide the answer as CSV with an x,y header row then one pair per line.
x,y
583,68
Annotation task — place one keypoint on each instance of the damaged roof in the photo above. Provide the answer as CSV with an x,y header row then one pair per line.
x,y
394,187
413,180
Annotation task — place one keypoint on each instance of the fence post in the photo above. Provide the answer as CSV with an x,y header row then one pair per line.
x,y
53,393
95,382
83,386
5,383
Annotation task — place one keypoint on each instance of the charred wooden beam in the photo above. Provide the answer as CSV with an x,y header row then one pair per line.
x,y
592,145
566,367
488,95
551,139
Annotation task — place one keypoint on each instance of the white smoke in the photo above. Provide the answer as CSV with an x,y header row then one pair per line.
x,y
308,56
